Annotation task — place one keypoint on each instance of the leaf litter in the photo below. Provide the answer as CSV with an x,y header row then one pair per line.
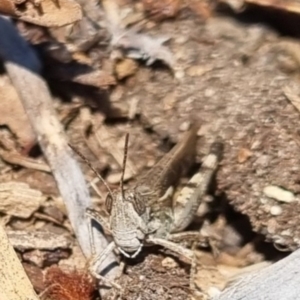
x,y
230,97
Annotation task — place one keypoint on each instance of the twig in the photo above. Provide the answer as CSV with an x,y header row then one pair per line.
x,y
23,68
16,158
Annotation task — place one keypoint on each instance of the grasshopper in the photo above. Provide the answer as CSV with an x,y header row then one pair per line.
x,y
144,214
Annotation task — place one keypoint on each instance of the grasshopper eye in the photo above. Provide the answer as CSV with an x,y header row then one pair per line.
x,y
108,203
138,205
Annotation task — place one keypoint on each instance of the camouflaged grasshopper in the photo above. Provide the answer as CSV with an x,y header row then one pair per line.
x,y
144,214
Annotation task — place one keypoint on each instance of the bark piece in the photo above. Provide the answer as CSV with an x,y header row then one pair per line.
x,y
43,12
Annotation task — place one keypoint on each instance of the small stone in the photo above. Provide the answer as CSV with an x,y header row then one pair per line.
x,y
275,210
169,100
208,93
184,126
255,145
179,74
272,226
279,194
35,257
142,277
125,68
182,39
198,70
169,263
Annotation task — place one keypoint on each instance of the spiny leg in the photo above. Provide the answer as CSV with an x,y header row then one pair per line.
x,y
194,237
184,254
95,215
96,261
202,238
196,188
213,237
193,272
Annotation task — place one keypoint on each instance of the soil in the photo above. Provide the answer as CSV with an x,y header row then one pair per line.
x,y
231,78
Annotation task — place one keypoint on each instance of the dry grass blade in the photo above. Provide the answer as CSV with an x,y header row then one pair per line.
x,y
14,283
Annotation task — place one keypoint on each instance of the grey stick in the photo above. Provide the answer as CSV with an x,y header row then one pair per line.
x,y
278,281
23,68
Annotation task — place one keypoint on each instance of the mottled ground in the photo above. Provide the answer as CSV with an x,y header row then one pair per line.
x,y
233,78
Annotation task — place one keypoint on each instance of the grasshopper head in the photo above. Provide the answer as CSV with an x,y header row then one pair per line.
x,y
127,222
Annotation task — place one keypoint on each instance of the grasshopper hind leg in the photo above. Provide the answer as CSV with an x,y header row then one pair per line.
x,y
192,194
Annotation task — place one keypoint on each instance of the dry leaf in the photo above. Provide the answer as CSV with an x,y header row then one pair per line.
x,y
161,9
47,13
82,74
35,275
243,155
292,94
125,68
206,275
13,114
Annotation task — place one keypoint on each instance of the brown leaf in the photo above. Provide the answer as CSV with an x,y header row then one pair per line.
x,y
13,114
125,68
35,275
46,13
243,155
161,9
82,74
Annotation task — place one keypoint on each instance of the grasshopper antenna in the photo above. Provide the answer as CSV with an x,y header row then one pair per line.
x,y
124,164
92,168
